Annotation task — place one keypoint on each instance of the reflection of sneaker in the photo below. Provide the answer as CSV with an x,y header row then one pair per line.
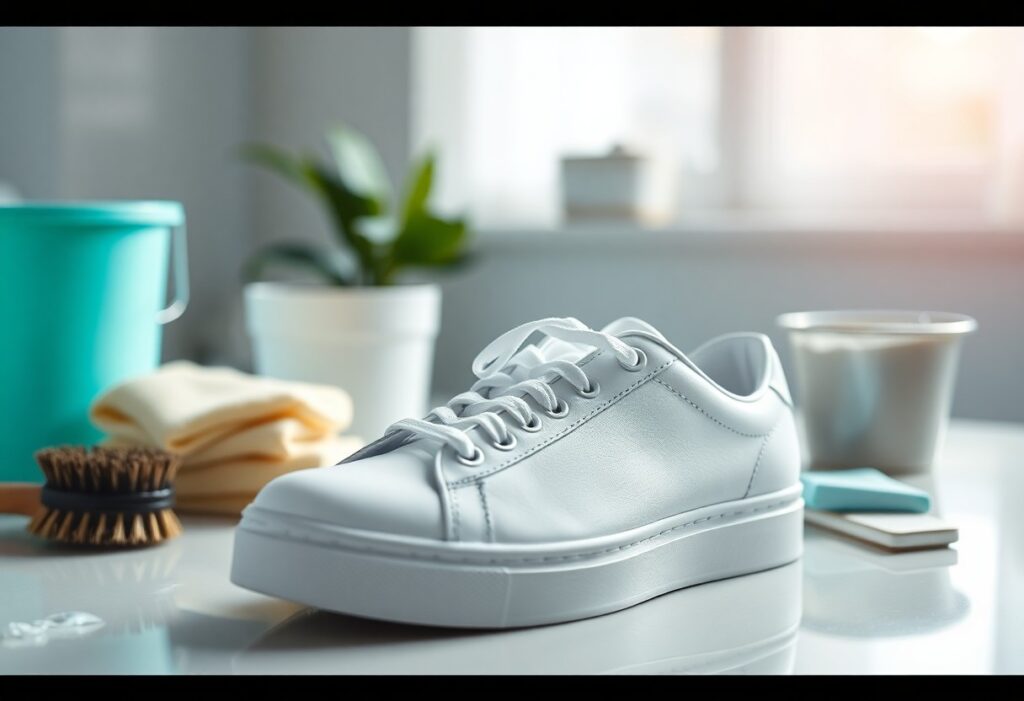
x,y
743,625
578,476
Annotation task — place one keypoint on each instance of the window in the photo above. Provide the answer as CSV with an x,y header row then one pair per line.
x,y
876,116
781,118
504,104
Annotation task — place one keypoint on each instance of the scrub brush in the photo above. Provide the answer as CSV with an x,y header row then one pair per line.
x,y
99,496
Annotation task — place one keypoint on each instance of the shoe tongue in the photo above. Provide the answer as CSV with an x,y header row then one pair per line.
x,y
557,349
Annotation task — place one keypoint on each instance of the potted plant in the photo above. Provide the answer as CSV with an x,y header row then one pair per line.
x,y
358,328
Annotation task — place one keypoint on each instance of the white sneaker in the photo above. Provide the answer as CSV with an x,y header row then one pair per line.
x,y
582,475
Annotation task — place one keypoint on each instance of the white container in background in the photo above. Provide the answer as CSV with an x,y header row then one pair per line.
x,y
874,387
376,343
605,187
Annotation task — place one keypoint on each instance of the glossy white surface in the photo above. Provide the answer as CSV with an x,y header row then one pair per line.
x,y
842,608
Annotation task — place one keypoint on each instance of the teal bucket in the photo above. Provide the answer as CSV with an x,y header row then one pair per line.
x,y
82,300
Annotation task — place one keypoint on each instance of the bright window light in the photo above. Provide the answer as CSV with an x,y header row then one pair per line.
x,y
527,96
884,99
797,118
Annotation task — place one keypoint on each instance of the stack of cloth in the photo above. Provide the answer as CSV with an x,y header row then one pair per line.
x,y
235,432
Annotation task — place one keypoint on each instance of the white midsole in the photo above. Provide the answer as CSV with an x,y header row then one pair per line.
x,y
487,585
293,527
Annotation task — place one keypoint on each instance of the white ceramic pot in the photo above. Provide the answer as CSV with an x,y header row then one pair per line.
x,y
376,343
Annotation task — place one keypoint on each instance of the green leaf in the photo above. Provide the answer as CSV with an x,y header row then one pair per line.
x,y
355,195
422,181
286,165
344,206
348,205
425,239
429,240
347,208
359,165
295,255
380,230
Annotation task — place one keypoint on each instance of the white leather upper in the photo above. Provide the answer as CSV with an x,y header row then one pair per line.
x,y
393,493
676,434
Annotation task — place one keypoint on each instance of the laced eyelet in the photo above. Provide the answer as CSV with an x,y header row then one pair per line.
x,y
641,361
509,444
590,392
473,460
560,411
534,425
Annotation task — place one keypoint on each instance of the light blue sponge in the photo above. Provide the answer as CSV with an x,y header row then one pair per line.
x,y
861,489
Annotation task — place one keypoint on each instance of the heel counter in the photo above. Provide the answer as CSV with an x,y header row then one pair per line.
x,y
778,462
777,377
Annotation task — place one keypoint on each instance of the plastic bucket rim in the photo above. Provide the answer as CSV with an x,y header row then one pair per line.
x,y
166,213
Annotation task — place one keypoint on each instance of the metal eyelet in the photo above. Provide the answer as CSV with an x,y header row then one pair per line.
x,y
510,444
641,361
534,425
560,411
590,392
473,460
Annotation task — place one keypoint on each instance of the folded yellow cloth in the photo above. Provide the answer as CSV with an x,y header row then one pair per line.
x,y
234,431
183,407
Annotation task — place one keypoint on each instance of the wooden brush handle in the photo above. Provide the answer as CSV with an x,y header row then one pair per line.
x,y
20,498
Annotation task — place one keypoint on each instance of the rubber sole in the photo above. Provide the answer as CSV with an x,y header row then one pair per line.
x,y
474,585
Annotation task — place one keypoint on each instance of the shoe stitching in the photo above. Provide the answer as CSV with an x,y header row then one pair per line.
x,y
489,526
554,558
692,403
596,410
454,499
455,521
757,463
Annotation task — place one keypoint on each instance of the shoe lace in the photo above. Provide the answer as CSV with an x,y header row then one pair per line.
x,y
506,376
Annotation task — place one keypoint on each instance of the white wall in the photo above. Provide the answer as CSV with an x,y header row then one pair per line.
x,y
157,113
138,113
697,283
28,111
306,79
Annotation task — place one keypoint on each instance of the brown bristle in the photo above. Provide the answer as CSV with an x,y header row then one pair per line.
x,y
100,470
64,532
48,526
37,520
117,536
137,536
82,530
106,529
99,535
171,524
153,528
39,524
